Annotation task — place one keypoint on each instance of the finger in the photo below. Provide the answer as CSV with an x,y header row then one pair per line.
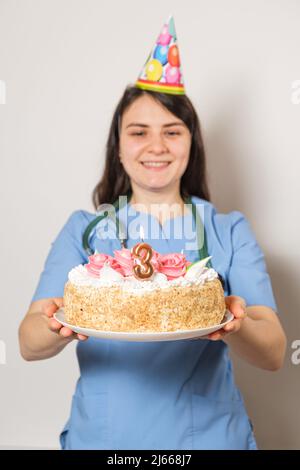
x,y
59,301
82,337
236,305
232,326
235,298
50,310
216,336
54,325
52,307
66,332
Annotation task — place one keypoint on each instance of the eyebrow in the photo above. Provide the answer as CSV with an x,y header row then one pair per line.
x,y
170,124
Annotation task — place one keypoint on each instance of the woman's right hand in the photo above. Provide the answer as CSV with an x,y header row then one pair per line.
x,y
57,327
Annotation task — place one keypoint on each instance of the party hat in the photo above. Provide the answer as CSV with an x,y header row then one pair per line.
x,y
162,70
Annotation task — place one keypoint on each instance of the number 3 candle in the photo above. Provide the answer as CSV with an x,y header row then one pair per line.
x,y
142,254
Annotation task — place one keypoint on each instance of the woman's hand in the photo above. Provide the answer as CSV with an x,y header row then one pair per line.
x,y
237,306
57,327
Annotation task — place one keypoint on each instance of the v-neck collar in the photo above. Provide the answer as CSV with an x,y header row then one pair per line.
x,y
153,217
164,231
172,235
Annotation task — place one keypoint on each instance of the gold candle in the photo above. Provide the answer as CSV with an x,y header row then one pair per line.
x,y
142,253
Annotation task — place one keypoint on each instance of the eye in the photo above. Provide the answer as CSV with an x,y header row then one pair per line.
x,y
173,133
139,134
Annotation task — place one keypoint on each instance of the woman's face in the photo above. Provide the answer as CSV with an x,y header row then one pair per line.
x,y
154,145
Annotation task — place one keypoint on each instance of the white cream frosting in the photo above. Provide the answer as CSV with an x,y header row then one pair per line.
x,y
108,277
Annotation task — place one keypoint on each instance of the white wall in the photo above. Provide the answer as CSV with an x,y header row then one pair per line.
x,y
65,64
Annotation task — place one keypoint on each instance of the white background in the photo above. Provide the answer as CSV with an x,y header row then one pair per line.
x,y
65,64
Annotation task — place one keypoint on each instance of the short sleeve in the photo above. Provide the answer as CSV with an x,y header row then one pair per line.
x,y
65,253
248,276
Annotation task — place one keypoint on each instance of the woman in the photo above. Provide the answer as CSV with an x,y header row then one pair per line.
x,y
160,395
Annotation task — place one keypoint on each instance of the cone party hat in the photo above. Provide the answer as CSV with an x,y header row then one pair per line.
x,y
162,70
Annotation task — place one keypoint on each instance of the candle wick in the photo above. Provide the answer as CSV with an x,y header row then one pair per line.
x,y
142,233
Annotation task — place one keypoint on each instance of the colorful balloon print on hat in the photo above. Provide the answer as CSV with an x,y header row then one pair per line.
x,y
162,70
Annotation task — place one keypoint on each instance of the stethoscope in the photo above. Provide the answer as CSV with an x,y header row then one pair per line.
x,y
200,232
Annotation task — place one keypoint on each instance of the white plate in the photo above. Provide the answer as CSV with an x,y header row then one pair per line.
x,y
126,336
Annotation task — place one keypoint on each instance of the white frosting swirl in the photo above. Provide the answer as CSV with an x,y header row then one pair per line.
x,y
109,278
109,274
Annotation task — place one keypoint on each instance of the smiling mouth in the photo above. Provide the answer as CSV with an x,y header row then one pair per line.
x,y
149,164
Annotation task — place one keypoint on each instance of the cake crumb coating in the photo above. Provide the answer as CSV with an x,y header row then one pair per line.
x,y
171,309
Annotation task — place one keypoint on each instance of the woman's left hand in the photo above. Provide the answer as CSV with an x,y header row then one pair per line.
x,y
237,306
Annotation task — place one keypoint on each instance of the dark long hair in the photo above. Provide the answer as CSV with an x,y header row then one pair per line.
x,y
116,182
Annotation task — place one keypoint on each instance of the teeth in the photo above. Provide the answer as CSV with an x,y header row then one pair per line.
x,y
155,163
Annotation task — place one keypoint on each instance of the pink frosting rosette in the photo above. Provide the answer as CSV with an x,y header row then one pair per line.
x,y
125,261
173,265
155,261
97,261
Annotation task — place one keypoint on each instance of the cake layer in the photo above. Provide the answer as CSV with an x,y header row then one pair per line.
x,y
168,309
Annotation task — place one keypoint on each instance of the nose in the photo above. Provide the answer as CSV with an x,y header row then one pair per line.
x,y
157,145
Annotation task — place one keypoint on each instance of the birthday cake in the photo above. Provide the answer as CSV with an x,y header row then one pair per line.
x,y
132,293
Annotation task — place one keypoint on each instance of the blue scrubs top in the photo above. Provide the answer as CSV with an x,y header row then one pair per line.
x,y
160,395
